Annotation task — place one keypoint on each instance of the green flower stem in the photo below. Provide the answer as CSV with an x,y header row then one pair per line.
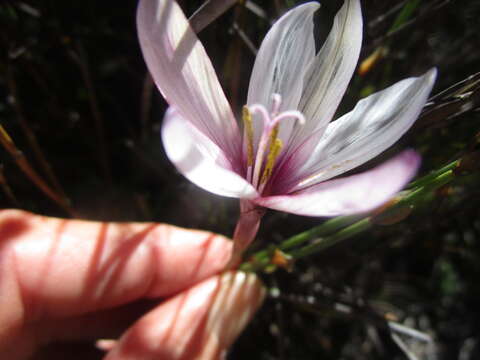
x,y
408,200
326,228
262,257
340,228
326,242
434,174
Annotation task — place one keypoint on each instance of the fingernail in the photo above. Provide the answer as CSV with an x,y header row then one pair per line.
x,y
105,344
236,300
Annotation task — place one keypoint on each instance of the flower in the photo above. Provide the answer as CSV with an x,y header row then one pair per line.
x,y
289,150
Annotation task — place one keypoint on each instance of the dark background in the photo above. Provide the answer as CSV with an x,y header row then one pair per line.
x,y
78,103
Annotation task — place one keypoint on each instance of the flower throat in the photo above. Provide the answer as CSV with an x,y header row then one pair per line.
x,y
260,164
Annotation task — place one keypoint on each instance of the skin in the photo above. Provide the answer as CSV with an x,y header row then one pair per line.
x,y
156,288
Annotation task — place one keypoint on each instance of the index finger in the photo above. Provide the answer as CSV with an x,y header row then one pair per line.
x,y
67,267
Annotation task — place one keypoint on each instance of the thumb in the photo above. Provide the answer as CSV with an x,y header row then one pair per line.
x,y
199,323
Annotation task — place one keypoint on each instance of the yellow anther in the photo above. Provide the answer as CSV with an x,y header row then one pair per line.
x,y
275,148
273,137
247,121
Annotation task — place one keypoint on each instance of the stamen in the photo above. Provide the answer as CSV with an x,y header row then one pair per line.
x,y
292,114
276,102
257,108
274,135
267,129
269,138
270,160
275,148
247,121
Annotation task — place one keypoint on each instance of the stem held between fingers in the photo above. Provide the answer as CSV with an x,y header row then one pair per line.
x,y
245,231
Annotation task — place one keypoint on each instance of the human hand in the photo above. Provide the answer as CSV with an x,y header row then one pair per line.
x,y
70,280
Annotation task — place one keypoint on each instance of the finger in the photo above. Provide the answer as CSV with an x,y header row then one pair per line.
x,y
200,323
52,267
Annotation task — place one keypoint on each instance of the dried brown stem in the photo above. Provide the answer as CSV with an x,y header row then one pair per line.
x,y
7,189
234,56
208,12
19,158
30,135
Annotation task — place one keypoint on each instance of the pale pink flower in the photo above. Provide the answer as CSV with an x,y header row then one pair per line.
x,y
289,149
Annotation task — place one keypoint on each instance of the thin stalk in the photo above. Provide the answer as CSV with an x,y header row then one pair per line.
x,y
245,231
410,199
233,58
326,242
7,189
19,158
333,231
30,135
428,178
208,12
326,228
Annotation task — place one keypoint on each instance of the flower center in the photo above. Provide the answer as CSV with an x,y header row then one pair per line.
x,y
260,164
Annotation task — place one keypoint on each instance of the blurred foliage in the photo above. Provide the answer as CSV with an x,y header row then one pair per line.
x,y
79,106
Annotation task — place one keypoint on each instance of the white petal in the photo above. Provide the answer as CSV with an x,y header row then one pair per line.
x,y
183,72
200,160
375,124
331,71
283,57
281,62
349,195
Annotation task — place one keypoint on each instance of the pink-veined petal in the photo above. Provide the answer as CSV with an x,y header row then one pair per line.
x,y
200,160
282,60
183,72
352,194
329,74
375,124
